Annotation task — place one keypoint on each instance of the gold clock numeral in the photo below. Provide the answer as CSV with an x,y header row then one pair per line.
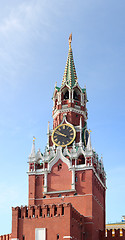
x,y
59,142
71,133
70,130
63,143
56,140
59,129
64,127
67,141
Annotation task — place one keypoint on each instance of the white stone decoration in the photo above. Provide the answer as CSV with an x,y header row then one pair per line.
x,y
40,234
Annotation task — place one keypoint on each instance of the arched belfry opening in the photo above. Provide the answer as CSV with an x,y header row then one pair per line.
x,y
66,95
81,159
75,96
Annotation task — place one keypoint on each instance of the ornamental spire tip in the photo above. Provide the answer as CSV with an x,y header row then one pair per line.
x,y
70,39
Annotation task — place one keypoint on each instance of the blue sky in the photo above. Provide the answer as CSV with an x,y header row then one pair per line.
x,y
33,52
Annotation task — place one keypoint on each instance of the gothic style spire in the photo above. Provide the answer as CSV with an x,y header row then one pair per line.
x,y
70,77
32,156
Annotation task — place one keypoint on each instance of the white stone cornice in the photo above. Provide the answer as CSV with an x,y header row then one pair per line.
x,y
67,237
70,110
60,191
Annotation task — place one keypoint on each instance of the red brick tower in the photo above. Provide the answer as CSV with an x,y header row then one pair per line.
x,y
69,175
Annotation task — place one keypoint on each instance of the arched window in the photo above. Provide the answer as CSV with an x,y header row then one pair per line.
x,y
81,160
66,95
83,176
57,236
59,166
75,96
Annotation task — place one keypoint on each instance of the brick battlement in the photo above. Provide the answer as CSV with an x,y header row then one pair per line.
x,y
5,237
66,219
45,211
117,234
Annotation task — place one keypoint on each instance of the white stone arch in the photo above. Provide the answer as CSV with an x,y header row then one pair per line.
x,y
59,155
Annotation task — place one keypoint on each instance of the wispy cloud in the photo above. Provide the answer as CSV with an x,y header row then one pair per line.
x,y
24,24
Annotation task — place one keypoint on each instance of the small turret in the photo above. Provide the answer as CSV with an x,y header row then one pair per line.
x,y
89,146
32,156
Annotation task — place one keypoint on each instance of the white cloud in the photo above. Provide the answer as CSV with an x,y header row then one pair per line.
x,y
24,24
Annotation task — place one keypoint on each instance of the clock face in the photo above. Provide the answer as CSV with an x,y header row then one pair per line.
x,y
86,136
63,135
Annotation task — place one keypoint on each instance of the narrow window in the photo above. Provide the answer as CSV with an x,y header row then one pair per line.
x,y
33,212
59,166
23,237
48,211
83,176
55,211
43,180
57,236
62,210
40,212
76,178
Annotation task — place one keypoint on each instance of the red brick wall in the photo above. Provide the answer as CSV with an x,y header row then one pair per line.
x,y
59,180
66,221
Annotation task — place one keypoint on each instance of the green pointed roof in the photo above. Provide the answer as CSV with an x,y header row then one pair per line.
x,y
70,77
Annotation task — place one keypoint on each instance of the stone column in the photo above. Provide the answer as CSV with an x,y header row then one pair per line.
x,y
45,181
73,178
69,95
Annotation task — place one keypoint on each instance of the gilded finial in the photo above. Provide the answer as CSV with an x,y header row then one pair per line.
x,y
34,139
90,131
70,39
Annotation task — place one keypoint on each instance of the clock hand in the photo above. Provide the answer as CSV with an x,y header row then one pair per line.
x,y
60,133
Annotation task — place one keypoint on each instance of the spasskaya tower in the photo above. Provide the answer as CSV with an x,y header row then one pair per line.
x,y
68,175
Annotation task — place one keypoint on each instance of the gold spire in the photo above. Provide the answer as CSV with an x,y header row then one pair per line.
x,y
70,40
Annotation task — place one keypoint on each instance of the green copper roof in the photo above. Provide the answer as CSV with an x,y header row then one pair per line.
x,y
58,89
70,77
84,90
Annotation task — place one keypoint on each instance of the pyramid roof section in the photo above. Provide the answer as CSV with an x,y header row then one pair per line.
x,y
70,77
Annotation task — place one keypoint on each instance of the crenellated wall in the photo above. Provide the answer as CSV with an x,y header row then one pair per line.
x,y
66,221
112,234
5,237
